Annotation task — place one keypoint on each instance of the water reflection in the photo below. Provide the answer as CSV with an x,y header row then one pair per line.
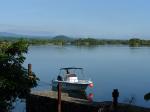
x,y
77,94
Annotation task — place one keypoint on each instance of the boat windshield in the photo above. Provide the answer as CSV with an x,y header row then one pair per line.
x,y
72,72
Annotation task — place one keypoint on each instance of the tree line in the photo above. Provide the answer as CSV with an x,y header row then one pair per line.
x,y
62,40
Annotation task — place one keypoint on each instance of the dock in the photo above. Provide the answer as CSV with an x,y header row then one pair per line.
x,y
46,101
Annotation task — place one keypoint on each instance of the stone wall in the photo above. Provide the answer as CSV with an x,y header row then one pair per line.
x,y
36,103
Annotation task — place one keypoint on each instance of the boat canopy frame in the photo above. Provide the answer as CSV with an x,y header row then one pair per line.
x,y
72,68
69,68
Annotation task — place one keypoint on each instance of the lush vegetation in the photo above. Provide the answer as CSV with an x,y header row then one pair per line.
x,y
91,41
14,79
64,40
139,42
58,40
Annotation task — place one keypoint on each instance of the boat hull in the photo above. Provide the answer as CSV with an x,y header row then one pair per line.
x,y
71,86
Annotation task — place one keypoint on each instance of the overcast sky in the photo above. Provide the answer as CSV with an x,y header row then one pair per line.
x,y
76,17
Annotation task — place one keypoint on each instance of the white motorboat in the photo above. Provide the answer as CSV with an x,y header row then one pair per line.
x,y
70,80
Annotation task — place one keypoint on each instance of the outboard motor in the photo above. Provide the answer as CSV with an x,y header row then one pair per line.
x,y
59,78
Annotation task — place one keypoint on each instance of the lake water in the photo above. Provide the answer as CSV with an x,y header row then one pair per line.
x,y
109,67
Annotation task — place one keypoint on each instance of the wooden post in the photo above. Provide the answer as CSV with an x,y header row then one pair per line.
x,y
59,96
29,70
28,96
115,95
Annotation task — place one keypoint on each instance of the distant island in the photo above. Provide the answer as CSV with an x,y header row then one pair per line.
x,y
65,40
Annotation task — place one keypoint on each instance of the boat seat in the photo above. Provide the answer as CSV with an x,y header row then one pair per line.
x,y
71,75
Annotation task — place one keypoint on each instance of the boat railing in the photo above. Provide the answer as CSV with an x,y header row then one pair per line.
x,y
83,81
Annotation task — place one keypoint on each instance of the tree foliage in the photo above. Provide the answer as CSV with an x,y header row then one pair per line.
x,y
135,42
14,80
147,96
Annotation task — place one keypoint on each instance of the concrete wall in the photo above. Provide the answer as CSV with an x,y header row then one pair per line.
x,y
44,104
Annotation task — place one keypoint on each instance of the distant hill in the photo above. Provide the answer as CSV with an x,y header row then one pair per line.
x,y
62,37
6,34
14,35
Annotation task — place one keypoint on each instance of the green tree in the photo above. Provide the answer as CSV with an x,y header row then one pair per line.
x,y
135,42
14,80
147,96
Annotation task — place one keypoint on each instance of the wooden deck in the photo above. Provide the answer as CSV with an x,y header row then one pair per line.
x,y
65,97
46,101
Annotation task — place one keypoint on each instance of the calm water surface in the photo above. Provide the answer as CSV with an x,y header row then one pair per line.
x,y
109,67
